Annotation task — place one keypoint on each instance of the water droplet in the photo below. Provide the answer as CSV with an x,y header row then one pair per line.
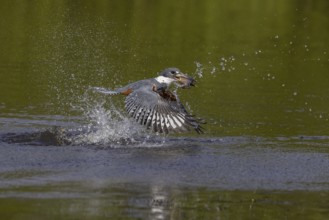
x,y
276,37
295,93
199,70
213,70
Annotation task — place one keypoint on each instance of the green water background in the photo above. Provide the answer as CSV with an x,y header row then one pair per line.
x,y
264,65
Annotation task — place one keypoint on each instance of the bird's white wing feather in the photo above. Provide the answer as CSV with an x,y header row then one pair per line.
x,y
161,115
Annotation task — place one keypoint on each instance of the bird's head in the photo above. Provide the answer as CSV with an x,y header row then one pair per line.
x,y
170,75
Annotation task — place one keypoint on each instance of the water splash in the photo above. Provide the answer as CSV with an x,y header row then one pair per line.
x,y
199,69
107,125
222,65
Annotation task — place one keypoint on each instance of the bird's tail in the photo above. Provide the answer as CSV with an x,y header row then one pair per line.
x,y
104,91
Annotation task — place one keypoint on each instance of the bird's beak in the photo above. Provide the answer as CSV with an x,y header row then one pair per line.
x,y
184,81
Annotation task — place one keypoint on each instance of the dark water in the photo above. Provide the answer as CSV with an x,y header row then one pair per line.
x,y
262,86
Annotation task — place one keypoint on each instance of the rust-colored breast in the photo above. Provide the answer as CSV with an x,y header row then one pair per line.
x,y
168,95
127,92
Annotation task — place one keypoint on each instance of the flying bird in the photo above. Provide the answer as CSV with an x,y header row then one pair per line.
x,y
152,104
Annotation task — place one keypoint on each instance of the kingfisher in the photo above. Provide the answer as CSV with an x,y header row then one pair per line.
x,y
151,103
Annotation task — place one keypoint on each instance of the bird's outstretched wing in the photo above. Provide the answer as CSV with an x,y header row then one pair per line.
x,y
160,113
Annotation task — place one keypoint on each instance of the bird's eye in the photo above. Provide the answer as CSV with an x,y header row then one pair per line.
x,y
173,72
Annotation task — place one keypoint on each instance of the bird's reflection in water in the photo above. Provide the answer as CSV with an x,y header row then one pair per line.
x,y
160,203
